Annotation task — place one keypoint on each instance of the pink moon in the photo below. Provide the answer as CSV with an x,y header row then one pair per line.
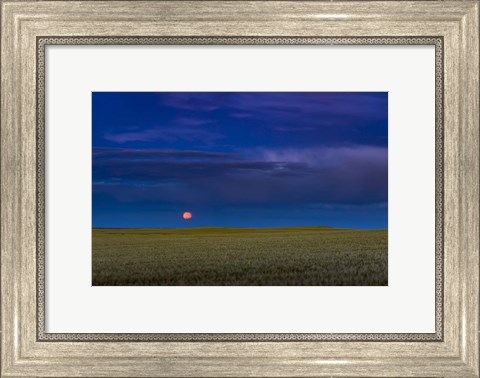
x,y
187,215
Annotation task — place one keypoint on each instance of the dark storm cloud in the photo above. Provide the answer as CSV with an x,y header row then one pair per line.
x,y
108,152
148,170
345,175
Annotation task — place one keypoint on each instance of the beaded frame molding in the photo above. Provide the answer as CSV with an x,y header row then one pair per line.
x,y
43,42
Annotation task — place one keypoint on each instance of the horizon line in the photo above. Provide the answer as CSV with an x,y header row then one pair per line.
x,y
200,227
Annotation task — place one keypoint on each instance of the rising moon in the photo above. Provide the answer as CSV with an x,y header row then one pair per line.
x,y
187,215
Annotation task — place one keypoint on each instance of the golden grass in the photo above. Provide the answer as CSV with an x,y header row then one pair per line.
x,y
314,256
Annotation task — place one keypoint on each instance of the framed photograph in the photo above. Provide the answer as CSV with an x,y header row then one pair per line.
x,y
230,188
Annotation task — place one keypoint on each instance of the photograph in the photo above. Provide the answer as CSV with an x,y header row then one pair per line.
x,y
239,188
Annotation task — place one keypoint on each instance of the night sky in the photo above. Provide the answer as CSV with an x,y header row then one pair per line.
x,y
240,159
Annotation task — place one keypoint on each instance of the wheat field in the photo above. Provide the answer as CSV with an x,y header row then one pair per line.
x,y
312,256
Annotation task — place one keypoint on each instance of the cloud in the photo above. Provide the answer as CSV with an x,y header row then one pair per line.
x,y
191,100
163,134
150,170
366,105
335,117
347,155
348,176
109,152
244,104
183,121
208,118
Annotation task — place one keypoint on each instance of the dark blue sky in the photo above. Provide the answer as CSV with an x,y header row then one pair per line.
x,y
240,159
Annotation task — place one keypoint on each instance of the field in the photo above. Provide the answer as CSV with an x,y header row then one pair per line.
x,y
240,256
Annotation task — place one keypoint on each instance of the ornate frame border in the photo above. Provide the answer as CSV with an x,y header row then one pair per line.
x,y
438,42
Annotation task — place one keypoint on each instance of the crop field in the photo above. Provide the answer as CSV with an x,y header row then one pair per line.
x,y
312,256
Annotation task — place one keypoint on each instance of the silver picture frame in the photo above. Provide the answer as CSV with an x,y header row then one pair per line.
x,y
452,27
